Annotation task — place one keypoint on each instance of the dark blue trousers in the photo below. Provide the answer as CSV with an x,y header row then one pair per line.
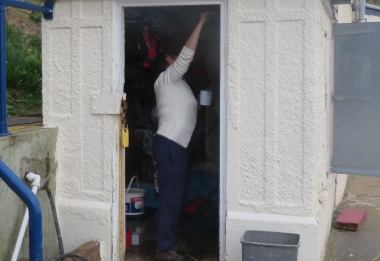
x,y
172,163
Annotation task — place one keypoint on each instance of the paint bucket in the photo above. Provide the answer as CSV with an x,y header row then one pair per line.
x,y
134,199
205,97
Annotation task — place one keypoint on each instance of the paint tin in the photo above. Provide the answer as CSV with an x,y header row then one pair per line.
x,y
205,97
134,199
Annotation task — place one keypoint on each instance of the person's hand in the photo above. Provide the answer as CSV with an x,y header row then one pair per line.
x,y
205,17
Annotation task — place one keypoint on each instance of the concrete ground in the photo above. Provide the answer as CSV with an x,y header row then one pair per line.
x,y
206,248
17,121
364,244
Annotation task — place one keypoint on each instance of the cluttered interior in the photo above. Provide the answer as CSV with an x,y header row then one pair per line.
x,y
150,32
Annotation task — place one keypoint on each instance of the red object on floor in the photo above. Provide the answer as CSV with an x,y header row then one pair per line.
x,y
192,206
351,219
128,238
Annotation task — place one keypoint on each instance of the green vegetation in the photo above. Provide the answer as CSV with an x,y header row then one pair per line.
x,y
35,17
24,64
24,72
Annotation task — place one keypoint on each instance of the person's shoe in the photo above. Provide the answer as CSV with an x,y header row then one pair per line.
x,y
182,247
170,255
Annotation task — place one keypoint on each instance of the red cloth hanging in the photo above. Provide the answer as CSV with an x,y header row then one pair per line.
x,y
152,45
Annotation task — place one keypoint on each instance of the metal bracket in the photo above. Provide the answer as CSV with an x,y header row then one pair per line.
x,y
124,105
50,5
107,103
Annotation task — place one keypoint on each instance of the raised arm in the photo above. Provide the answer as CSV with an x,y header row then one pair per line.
x,y
192,42
175,72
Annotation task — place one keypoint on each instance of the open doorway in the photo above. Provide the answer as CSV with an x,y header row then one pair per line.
x,y
149,31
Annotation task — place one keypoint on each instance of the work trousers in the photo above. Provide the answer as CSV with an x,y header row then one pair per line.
x,y
172,163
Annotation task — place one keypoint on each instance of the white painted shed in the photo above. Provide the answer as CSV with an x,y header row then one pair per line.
x,y
275,82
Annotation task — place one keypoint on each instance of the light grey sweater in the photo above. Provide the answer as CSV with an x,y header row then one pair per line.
x,y
176,104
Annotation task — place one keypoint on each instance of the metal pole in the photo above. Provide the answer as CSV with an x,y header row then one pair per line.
x,y
362,4
27,6
3,79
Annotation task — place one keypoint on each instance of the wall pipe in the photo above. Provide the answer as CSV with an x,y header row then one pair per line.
x,y
48,10
329,8
362,4
36,183
34,208
54,211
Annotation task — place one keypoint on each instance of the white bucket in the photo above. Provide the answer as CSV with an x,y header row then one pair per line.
x,y
134,200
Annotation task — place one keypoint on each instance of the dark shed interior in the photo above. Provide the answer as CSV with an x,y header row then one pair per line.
x,y
150,34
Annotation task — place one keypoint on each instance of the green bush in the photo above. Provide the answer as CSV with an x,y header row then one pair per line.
x,y
10,100
24,70
35,17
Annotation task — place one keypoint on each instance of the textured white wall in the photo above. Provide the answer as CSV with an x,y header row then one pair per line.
x,y
323,88
373,18
344,13
272,112
278,155
77,63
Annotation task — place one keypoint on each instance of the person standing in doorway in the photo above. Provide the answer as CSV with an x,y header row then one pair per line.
x,y
177,115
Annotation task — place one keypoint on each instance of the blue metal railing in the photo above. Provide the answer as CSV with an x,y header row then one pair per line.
x,y
35,214
3,80
48,11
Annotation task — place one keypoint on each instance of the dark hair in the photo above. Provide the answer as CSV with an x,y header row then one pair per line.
x,y
159,65
173,45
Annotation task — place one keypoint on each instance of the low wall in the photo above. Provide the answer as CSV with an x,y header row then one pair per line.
x,y
27,150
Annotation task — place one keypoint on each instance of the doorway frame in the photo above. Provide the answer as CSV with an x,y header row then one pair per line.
x,y
118,63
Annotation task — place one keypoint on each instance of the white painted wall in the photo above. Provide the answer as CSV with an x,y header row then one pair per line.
x,y
279,79
77,63
373,18
344,14
279,109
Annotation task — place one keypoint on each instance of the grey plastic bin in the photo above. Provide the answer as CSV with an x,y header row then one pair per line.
x,y
269,246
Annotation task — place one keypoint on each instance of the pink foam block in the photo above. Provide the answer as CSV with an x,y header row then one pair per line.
x,y
351,219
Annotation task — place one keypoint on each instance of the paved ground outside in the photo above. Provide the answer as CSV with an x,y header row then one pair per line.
x,y
363,245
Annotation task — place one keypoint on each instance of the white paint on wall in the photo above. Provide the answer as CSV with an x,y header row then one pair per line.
x,y
107,103
77,64
270,138
344,13
373,18
279,113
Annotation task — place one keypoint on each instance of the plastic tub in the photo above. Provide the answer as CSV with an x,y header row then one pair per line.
x,y
269,246
134,199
